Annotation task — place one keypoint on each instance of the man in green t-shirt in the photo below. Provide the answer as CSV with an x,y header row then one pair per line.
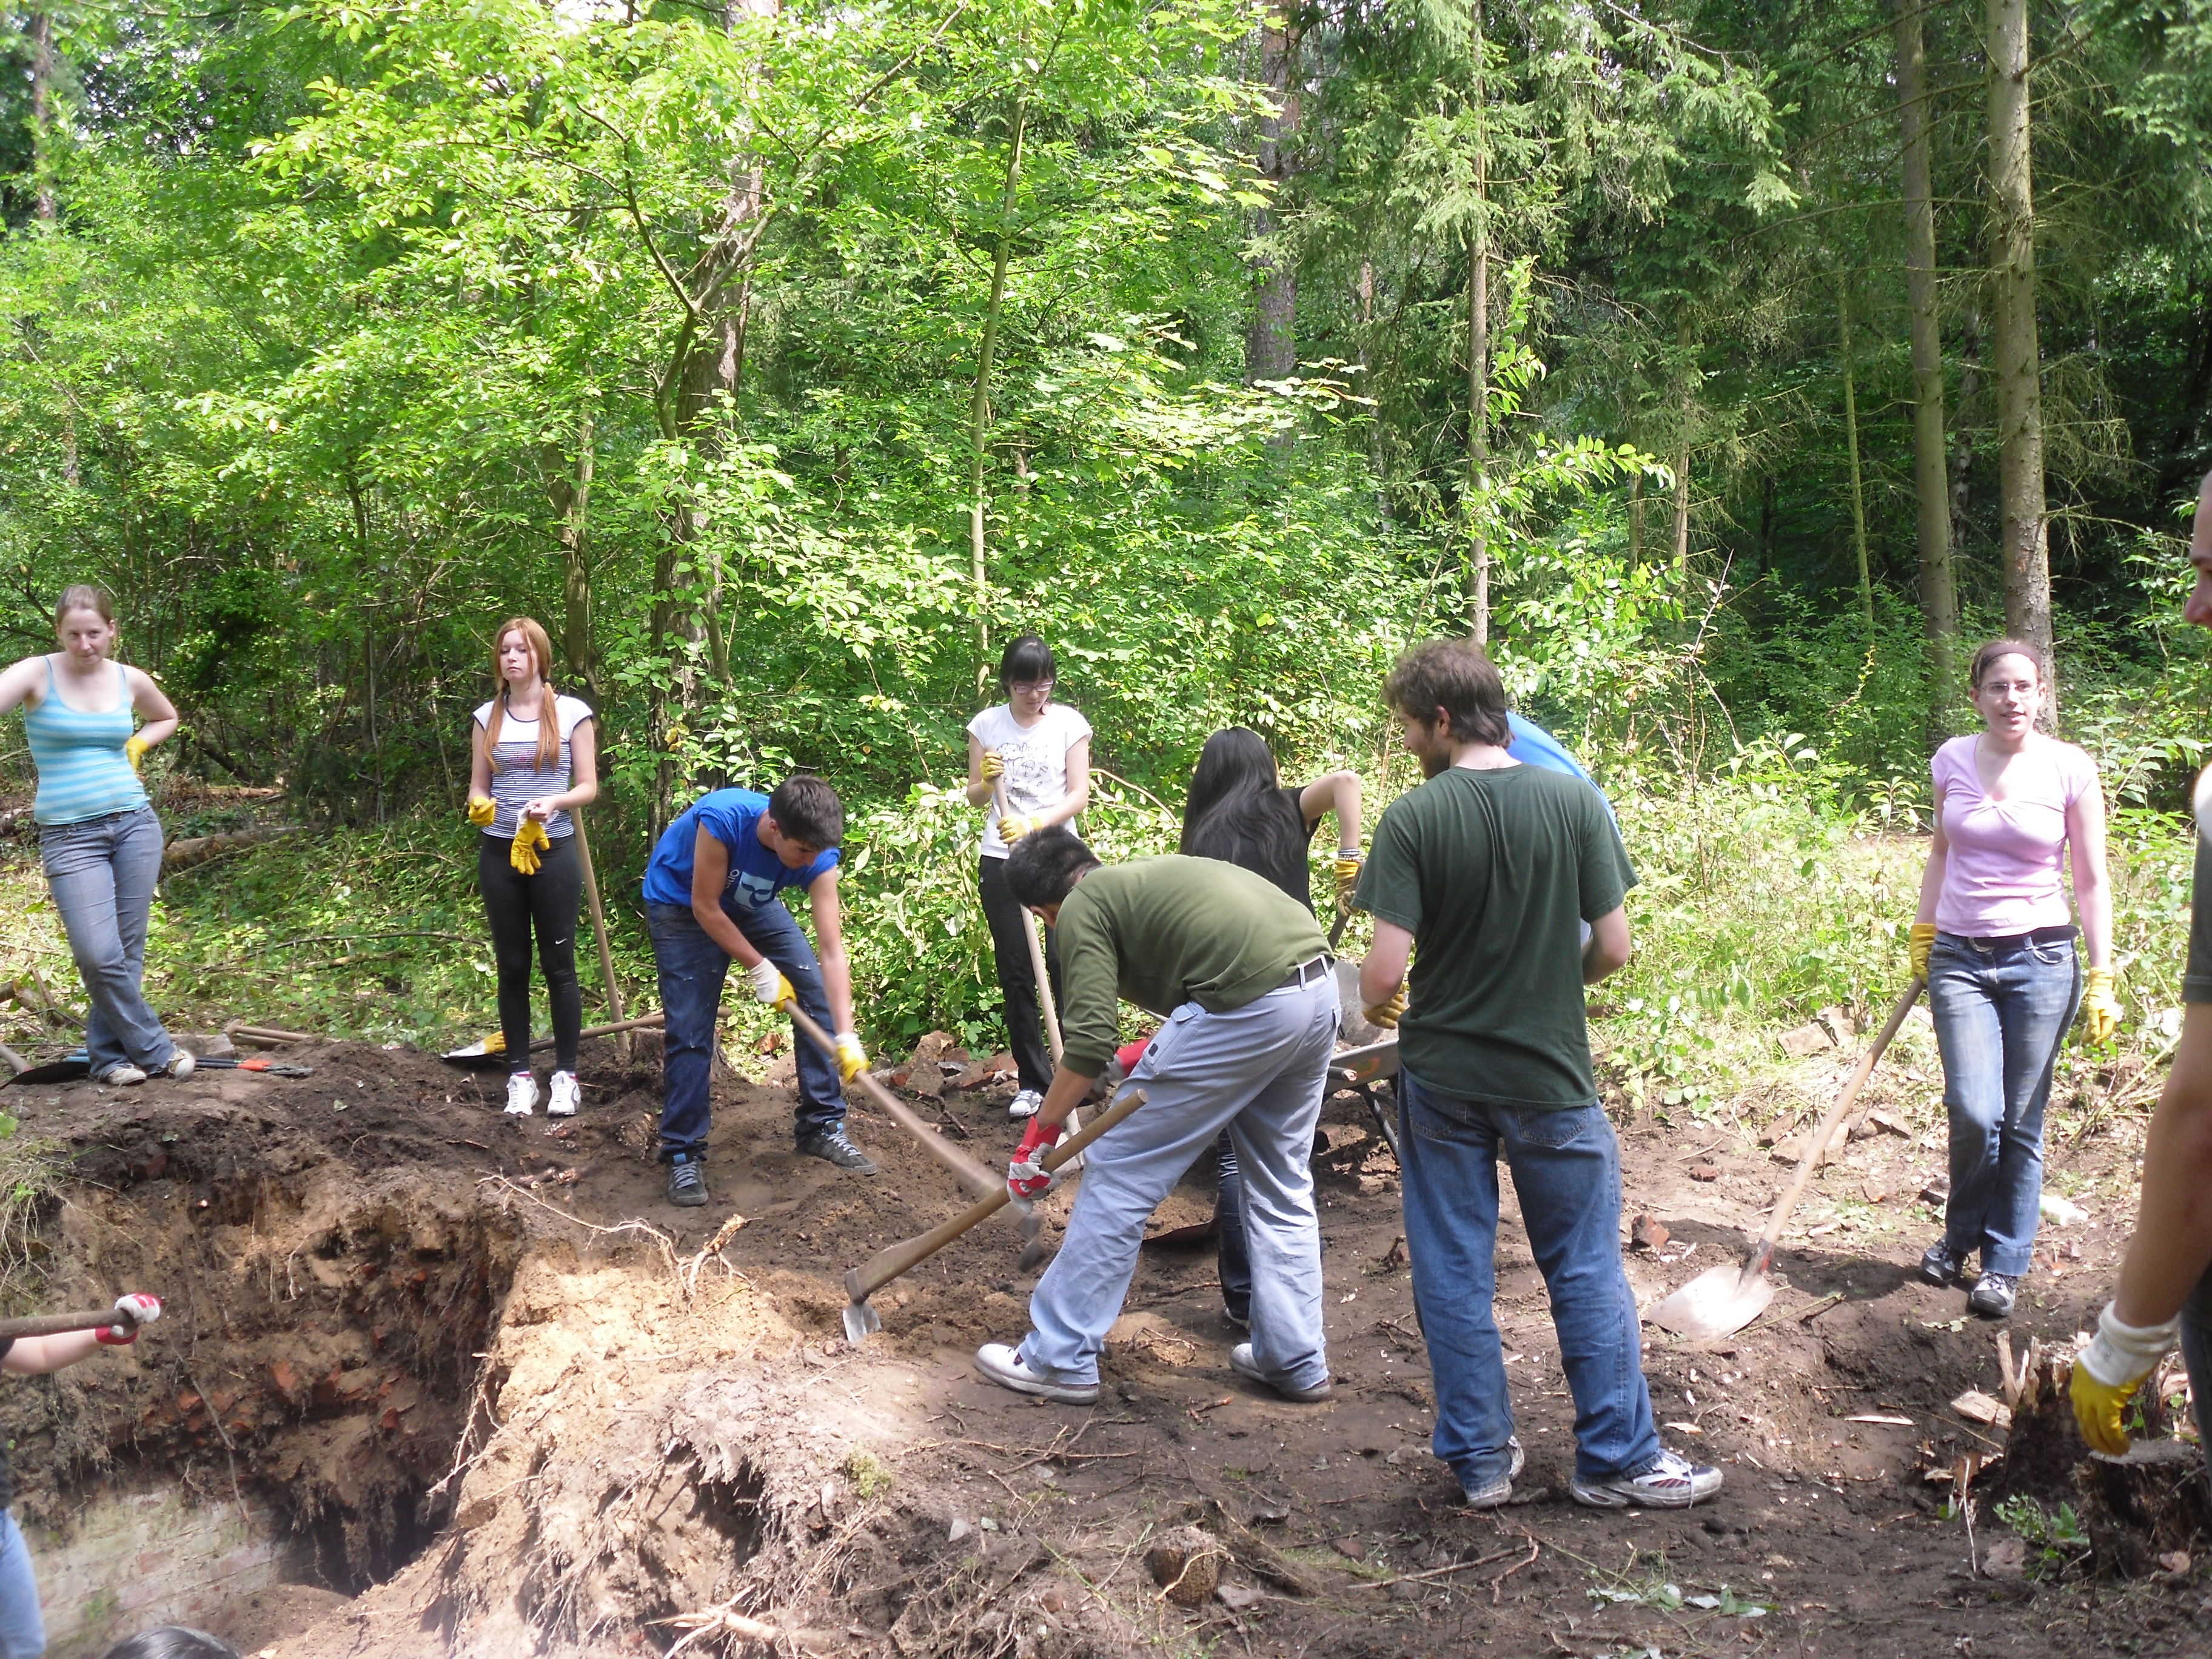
x,y
1241,973
1491,867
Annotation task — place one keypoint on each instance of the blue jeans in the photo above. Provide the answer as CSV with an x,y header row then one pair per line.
x,y
692,970
22,1634
102,874
2001,1012
1230,1254
1259,1071
1566,1172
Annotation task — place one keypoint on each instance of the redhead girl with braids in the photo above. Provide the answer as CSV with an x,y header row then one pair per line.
x,y
533,754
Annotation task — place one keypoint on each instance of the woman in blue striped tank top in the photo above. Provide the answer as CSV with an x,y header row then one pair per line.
x,y
98,835
533,755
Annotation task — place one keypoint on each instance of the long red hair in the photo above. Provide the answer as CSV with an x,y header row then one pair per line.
x,y
549,719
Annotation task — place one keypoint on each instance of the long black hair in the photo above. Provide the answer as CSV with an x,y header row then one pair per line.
x,y
1025,660
1237,811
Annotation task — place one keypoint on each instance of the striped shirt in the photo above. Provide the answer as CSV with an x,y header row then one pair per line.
x,y
515,778
83,773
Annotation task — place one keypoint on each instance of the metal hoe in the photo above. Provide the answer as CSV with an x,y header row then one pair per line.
x,y
1724,1299
862,1321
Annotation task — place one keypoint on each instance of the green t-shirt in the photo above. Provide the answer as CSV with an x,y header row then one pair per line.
x,y
1493,872
1166,931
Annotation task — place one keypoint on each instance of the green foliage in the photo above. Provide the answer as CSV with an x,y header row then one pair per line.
x,y
2057,1540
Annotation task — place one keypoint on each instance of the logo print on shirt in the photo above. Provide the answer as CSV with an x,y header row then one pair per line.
x,y
754,890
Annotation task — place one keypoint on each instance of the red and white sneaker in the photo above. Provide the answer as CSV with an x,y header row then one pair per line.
x,y
1672,1483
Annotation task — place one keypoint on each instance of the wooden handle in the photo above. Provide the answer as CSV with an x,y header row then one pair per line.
x,y
653,1018
100,1319
862,1282
973,1174
1763,1257
599,917
1043,984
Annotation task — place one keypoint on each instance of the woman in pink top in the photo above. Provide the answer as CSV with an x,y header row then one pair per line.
x,y
1994,939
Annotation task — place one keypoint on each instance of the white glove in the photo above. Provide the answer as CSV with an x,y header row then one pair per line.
x,y
769,986
141,1306
2126,1353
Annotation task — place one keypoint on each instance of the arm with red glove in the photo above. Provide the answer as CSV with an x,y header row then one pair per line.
x,y
1026,1176
35,1356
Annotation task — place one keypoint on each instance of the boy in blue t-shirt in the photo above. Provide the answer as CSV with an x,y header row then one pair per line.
x,y
711,897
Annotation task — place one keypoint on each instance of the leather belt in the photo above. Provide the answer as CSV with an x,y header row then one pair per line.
x,y
1306,973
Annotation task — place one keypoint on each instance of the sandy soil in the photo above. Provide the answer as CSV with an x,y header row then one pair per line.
x,y
517,1404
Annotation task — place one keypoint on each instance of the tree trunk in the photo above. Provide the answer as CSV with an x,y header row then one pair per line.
x,y
1683,368
1962,437
1858,485
979,410
39,28
1270,342
1939,593
571,496
2017,369
1478,431
1636,520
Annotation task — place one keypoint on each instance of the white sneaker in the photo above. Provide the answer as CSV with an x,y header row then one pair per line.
x,y
1005,1366
180,1066
521,1095
122,1076
1025,1103
1672,1483
567,1095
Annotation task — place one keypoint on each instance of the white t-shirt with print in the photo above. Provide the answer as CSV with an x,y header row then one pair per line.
x,y
1036,761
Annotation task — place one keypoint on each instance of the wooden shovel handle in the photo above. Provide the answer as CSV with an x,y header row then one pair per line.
x,y
99,1319
974,1175
861,1282
1763,1257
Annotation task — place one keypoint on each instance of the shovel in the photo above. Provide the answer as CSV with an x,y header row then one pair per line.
x,y
862,1321
971,1172
490,1051
1724,1299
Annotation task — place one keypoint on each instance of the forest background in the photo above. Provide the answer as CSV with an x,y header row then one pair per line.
x,y
1724,363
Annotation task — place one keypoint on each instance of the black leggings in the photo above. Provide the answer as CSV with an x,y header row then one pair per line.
x,y
1016,979
515,904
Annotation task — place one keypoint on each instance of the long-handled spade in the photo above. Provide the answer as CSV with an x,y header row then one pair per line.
x,y
1724,1299
1049,1007
972,1172
862,1321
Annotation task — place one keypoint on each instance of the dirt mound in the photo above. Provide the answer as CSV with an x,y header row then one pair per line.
x,y
472,1381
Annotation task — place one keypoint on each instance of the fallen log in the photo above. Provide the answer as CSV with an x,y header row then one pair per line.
x,y
199,849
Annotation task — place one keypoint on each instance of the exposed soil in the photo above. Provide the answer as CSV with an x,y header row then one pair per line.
x,y
508,1402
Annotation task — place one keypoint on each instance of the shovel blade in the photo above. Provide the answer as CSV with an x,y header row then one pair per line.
x,y
861,1322
1718,1302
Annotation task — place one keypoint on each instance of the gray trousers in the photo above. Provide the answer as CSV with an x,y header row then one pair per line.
x,y
102,874
1261,1072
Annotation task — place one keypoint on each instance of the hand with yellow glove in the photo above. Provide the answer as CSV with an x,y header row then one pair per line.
x,y
1386,1013
530,841
1346,869
992,766
852,1058
1012,828
2107,1373
769,986
133,750
2101,1013
482,809
1919,943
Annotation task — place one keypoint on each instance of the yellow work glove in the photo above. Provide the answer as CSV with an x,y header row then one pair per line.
x,y
1385,1014
2107,1373
133,750
1346,869
2100,1010
852,1058
769,986
993,768
1920,943
530,840
1011,830
482,809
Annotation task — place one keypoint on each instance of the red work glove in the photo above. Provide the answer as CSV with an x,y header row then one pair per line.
x,y
1129,1053
1026,1176
140,1309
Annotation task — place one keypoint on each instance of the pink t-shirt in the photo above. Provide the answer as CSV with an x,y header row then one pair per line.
x,y
2007,856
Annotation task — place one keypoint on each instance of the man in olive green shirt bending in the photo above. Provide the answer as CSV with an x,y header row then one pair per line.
x,y
1241,973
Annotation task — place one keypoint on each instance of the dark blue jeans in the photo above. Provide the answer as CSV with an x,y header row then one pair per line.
x,y
2001,1012
2196,1352
1566,1172
1230,1253
692,970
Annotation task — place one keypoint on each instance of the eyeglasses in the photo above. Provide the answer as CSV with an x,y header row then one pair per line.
x,y
1031,688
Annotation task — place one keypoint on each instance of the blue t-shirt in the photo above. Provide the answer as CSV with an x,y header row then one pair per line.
x,y
1533,745
731,816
